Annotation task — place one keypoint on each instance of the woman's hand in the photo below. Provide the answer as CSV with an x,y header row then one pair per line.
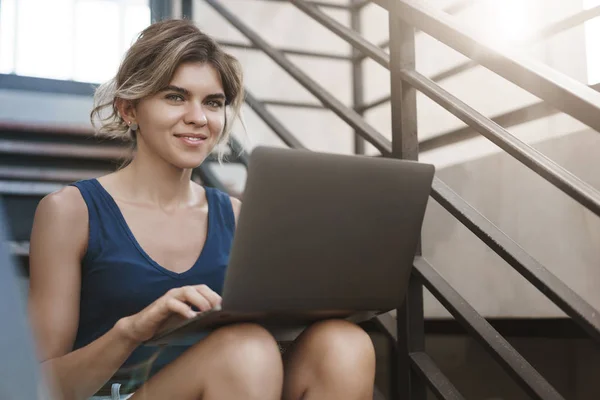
x,y
176,302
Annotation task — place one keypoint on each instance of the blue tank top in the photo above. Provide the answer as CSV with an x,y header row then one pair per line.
x,y
119,278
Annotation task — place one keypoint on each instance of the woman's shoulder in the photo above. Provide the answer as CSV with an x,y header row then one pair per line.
x,y
61,218
225,198
65,204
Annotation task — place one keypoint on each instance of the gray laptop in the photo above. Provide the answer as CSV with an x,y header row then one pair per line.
x,y
319,236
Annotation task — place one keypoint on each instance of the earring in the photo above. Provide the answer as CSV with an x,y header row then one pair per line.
x,y
133,127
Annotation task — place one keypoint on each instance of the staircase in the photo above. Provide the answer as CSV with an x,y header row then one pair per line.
x,y
34,161
413,370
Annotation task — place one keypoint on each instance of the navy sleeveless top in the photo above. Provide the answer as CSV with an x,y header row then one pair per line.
x,y
120,279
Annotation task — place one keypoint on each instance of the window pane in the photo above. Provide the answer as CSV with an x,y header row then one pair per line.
x,y
97,34
43,45
7,36
592,40
82,40
137,18
507,21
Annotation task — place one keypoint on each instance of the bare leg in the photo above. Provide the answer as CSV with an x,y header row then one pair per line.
x,y
330,360
236,362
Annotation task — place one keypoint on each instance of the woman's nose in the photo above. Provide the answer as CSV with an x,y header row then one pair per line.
x,y
196,115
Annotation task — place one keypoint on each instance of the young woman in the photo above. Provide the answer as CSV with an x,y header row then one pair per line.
x,y
112,258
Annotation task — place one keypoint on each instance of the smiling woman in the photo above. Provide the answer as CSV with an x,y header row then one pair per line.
x,y
112,259
185,120
188,82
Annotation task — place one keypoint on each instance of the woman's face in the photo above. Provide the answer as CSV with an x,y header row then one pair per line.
x,y
183,122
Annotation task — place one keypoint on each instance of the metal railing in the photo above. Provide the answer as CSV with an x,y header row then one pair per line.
x,y
414,369
543,33
508,119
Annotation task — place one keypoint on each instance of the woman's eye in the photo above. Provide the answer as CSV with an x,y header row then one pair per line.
x,y
215,104
174,97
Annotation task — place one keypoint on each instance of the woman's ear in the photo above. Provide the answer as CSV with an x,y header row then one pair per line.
x,y
126,110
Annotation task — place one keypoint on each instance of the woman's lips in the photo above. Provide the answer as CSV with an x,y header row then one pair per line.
x,y
191,140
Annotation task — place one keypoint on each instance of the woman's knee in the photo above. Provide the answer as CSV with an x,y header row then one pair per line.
x,y
238,361
246,349
340,343
331,358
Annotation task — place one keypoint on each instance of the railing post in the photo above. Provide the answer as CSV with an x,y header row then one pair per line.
x,y
160,10
187,9
357,75
411,337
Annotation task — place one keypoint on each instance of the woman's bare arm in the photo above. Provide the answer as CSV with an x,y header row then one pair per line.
x,y
236,204
58,243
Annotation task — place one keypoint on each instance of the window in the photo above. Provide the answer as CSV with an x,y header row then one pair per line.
x,y
81,40
508,21
592,35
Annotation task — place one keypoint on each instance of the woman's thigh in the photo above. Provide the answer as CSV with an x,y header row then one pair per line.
x,y
222,358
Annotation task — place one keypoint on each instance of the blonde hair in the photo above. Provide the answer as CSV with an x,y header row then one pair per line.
x,y
149,66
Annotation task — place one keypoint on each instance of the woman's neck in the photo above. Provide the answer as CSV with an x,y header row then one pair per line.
x,y
155,182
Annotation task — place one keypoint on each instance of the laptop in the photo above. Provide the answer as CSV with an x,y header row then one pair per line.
x,y
319,236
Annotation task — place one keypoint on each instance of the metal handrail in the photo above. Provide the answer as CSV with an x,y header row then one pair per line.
x,y
361,3
451,9
375,103
293,52
505,354
541,34
511,118
422,363
428,370
357,41
577,189
515,117
293,104
323,4
506,120
562,92
349,116
559,90
547,283
284,134
562,179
